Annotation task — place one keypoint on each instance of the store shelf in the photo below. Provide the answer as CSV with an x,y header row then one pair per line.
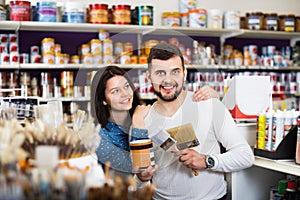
x,y
65,99
261,34
10,25
8,66
81,27
205,32
284,166
75,66
135,29
38,66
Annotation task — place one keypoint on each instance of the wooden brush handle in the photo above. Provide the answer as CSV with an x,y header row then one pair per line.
x,y
195,172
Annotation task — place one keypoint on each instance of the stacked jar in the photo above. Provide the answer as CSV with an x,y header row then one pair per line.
x,y
9,49
85,54
96,51
47,47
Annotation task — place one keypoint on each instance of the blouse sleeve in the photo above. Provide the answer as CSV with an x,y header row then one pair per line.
x,y
119,159
137,134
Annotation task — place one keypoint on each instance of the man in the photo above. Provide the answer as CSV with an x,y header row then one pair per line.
x,y
212,123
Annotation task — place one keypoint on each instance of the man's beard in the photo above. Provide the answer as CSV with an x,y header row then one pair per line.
x,y
168,99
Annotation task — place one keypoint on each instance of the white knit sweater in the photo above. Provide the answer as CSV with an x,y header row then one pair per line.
x,y
213,124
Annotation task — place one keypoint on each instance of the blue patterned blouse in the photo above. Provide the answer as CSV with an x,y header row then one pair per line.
x,y
114,146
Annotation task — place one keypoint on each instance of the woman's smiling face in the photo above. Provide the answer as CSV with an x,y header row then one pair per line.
x,y
118,93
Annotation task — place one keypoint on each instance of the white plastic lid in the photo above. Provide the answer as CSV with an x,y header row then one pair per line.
x,y
74,6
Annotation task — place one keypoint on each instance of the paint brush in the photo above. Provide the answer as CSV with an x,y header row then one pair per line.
x,y
164,140
185,137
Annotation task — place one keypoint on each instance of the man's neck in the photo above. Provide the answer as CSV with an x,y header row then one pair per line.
x,y
169,108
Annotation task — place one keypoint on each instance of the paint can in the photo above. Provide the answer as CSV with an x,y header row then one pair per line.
x,y
142,155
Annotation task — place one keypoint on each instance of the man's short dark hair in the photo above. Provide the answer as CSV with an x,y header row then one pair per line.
x,y
164,51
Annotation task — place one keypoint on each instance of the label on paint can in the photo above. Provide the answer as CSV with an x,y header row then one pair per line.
x,y
73,17
232,19
46,11
145,15
198,18
186,5
214,19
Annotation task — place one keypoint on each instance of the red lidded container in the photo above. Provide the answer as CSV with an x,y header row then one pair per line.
x,y
98,13
121,14
20,10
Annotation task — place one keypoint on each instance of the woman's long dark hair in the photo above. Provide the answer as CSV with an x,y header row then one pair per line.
x,y
99,111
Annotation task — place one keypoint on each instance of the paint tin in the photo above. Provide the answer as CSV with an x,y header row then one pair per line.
x,y
184,19
103,34
3,12
75,59
198,18
4,58
270,21
35,58
142,155
232,19
96,46
254,20
171,19
98,13
48,45
214,19
186,5
34,50
20,11
3,39
73,12
144,15
121,14
14,58
24,58
46,11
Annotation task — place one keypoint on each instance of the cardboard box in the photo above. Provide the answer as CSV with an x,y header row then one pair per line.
x,y
247,96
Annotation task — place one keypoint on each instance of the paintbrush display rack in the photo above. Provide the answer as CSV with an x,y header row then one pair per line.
x,y
285,150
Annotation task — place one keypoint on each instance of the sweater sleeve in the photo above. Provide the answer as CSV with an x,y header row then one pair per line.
x,y
119,159
239,154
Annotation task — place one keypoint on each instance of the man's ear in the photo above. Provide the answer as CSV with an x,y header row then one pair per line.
x,y
148,76
185,74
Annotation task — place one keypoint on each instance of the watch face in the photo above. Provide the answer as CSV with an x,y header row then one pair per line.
x,y
210,162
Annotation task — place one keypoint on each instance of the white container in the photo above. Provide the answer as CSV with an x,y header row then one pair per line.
x,y
198,18
214,19
14,58
74,12
232,19
186,5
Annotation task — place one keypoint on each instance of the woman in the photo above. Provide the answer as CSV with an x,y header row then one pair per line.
x,y
114,99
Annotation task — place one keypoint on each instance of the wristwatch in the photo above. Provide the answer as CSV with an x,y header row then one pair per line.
x,y
210,161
